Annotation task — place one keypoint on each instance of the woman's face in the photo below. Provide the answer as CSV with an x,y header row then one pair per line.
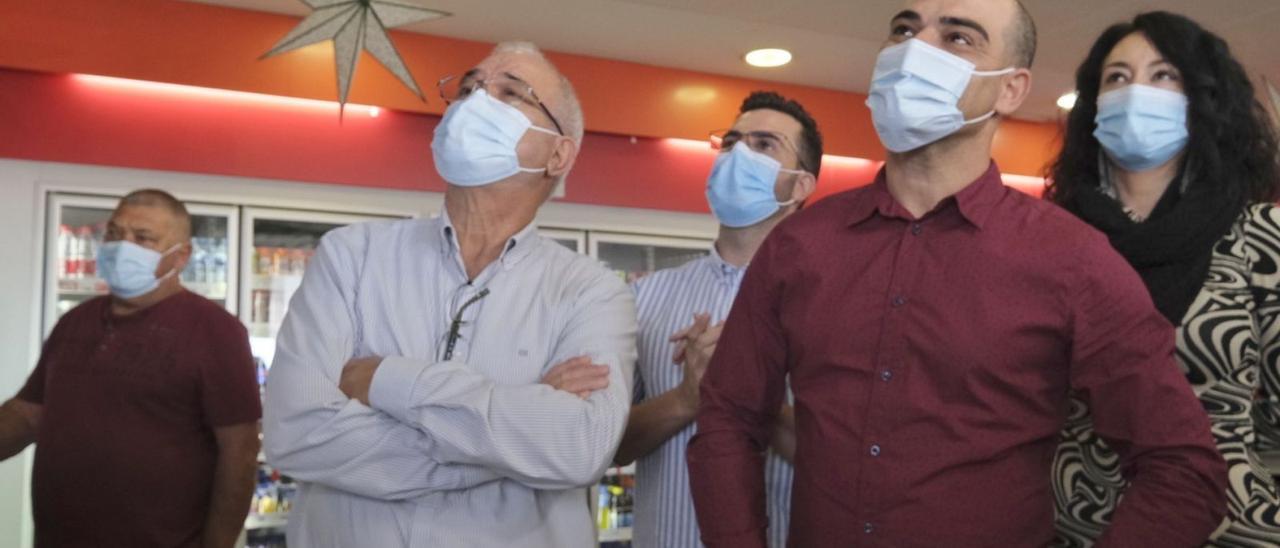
x,y
1135,61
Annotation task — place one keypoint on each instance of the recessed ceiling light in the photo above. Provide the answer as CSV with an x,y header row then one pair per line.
x,y
1067,101
768,57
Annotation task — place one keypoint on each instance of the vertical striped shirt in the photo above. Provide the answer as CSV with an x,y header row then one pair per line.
x,y
666,301
468,451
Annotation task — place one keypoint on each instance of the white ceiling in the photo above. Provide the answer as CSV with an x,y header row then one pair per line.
x,y
834,41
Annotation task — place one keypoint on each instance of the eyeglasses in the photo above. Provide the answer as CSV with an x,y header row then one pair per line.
x,y
455,325
769,143
505,87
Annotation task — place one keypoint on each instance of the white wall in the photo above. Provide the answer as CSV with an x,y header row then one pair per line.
x,y
24,187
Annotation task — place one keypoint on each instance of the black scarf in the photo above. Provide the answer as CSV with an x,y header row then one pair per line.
x,y
1173,248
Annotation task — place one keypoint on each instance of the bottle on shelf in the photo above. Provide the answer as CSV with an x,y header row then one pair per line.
x,y
74,255
262,261
65,238
87,259
88,252
219,253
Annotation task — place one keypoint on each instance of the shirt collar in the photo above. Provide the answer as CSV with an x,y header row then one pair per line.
x,y
721,268
975,201
519,245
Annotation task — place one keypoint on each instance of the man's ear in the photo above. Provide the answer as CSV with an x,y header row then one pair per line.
x,y
562,157
1014,90
181,256
804,186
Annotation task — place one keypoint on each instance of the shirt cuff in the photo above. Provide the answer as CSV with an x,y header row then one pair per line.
x,y
392,388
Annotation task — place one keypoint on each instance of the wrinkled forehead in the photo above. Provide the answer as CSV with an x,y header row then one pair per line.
x,y
526,66
994,15
143,217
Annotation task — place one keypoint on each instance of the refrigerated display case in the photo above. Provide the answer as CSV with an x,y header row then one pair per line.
x,y
279,243
635,256
631,256
575,240
77,224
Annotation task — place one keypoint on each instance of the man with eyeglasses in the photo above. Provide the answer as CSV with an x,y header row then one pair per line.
x,y
932,327
457,381
766,168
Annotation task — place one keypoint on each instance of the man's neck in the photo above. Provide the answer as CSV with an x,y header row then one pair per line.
x,y
125,307
922,178
738,245
1140,191
485,218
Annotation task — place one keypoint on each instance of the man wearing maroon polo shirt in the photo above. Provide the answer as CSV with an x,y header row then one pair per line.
x,y
144,404
932,326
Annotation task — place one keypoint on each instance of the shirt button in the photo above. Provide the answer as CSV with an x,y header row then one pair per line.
x,y
875,450
886,375
916,229
867,528
899,301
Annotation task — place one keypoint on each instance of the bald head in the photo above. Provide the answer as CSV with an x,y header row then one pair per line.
x,y
1021,37
180,219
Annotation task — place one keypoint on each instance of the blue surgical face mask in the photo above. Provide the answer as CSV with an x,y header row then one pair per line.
x,y
475,143
1141,127
915,90
130,269
741,187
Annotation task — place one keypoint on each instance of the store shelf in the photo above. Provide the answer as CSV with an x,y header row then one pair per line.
x,y
91,286
268,521
81,286
622,534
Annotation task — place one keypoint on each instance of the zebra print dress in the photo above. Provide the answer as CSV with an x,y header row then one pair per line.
x,y
1229,347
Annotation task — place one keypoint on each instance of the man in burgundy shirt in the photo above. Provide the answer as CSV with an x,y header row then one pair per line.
x,y
933,324
144,404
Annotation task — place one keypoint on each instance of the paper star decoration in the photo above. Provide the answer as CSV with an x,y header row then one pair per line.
x,y
354,25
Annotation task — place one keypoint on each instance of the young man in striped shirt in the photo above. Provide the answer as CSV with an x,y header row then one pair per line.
x,y
767,167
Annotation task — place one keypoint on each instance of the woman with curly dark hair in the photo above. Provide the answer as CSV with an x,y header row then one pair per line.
x,y
1169,153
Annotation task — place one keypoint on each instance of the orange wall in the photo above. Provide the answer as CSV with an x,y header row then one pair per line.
x,y
211,46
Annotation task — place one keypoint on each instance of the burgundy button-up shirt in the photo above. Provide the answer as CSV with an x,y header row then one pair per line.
x,y
931,361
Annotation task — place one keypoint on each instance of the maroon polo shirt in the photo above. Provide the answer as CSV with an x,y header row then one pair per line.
x,y
931,361
125,453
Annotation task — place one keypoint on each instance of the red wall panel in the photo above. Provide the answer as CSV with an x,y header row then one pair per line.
x,y
91,120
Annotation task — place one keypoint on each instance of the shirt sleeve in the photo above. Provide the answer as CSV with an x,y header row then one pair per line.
x,y
740,396
33,390
533,434
229,384
1122,364
312,431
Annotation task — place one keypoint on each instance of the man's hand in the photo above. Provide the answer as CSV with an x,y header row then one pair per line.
x,y
578,376
698,349
357,376
682,337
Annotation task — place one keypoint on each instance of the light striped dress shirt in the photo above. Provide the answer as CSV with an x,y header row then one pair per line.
x,y
666,301
466,452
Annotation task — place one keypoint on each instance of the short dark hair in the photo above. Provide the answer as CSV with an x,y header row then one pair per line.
x,y
810,145
153,197
1232,142
1022,37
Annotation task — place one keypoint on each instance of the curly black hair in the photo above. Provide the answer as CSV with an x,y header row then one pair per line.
x,y
1232,143
810,138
